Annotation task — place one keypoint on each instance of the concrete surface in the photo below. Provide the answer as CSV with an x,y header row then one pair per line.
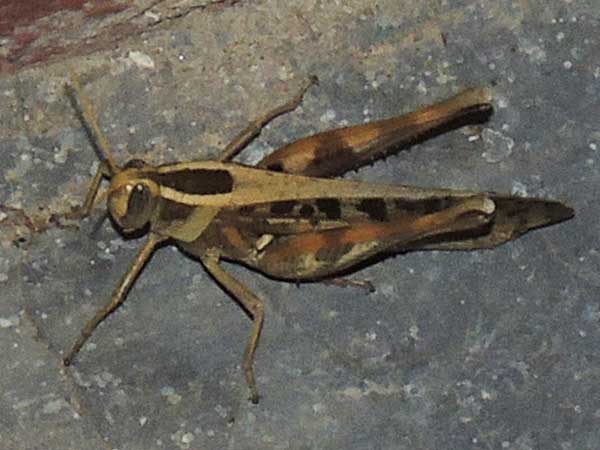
x,y
483,350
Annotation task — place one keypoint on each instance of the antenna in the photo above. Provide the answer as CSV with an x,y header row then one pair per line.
x,y
89,119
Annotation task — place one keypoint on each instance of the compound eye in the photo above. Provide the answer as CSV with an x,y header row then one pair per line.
x,y
139,199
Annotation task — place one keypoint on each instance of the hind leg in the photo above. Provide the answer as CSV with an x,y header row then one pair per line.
x,y
335,152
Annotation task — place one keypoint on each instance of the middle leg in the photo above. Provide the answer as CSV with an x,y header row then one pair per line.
x,y
250,303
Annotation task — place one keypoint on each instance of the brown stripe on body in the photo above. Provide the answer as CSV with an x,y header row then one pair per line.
x,y
319,214
172,211
195,181
283,208
425,206
231,244
375,208
276,225
331,207
306,211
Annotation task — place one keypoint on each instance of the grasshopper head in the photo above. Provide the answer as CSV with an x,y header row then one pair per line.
x,y
132,200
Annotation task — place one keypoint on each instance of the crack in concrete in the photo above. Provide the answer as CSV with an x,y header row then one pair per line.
x,y
210,7
75,397
145,10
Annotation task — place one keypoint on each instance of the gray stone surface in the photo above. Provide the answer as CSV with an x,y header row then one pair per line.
x,y
484,350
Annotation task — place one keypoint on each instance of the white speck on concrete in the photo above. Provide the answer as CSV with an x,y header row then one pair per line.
x,y
536,54
105,378
221,411
497,146
519,189
60,155
140,59
328,116
353,393
485,395
187,438
319,408
414,332
388,290
7,322
54,406
373,387
172,397
152,16
167,390
283,73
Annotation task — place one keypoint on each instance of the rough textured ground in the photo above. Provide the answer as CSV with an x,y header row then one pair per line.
x,y
483,350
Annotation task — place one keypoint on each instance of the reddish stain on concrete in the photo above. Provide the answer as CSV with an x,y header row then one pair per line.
x,y
34,31
22,13
104,9
22,40
44,53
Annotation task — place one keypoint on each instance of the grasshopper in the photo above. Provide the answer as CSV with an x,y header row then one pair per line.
x,y
288,219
